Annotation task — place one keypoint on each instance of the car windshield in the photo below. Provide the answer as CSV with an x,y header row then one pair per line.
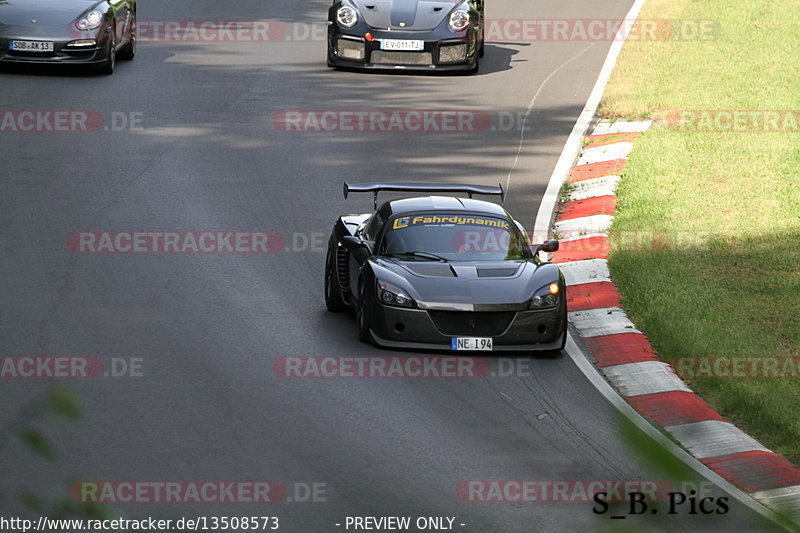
x,y
453,237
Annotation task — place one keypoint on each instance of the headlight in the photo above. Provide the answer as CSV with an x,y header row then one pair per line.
x,y
459,20
546,297
90,21
347,17
391,295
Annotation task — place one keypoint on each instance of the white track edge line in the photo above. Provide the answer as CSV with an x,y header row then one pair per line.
x,y
573,145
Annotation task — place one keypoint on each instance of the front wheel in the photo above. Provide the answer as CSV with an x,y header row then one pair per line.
x,y
565,318
558,351
476,68
128,52
563,340
107,66
333,291
361,315
329,57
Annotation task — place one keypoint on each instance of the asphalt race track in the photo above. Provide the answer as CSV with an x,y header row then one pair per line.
x,y
207,151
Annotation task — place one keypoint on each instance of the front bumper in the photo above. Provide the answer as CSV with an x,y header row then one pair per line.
x,y
355,51
528,330
61,54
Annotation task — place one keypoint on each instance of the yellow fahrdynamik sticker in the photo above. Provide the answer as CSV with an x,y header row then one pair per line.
x,y
404,222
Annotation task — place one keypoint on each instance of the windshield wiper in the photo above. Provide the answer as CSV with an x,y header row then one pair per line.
x,y
426,255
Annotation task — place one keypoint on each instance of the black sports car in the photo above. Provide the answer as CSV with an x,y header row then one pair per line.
x,y
413,34
444,273
88,32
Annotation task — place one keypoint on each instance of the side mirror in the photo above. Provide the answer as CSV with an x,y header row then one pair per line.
x,y
548,246
360,250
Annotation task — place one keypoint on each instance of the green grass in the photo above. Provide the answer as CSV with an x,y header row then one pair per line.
x,y
725,278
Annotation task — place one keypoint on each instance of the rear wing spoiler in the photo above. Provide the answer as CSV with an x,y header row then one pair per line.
x,y
469,190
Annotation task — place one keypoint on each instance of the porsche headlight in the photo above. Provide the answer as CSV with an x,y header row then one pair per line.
x,y
547,297
391,295
347,17
459,20
90,21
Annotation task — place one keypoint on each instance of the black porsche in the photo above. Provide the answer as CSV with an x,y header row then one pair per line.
x,y
406,34
79,32
444,273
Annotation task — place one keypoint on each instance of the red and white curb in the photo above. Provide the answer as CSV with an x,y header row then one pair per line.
x,y
624,355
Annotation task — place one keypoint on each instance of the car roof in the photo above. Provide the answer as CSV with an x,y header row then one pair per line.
x,y
441,203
